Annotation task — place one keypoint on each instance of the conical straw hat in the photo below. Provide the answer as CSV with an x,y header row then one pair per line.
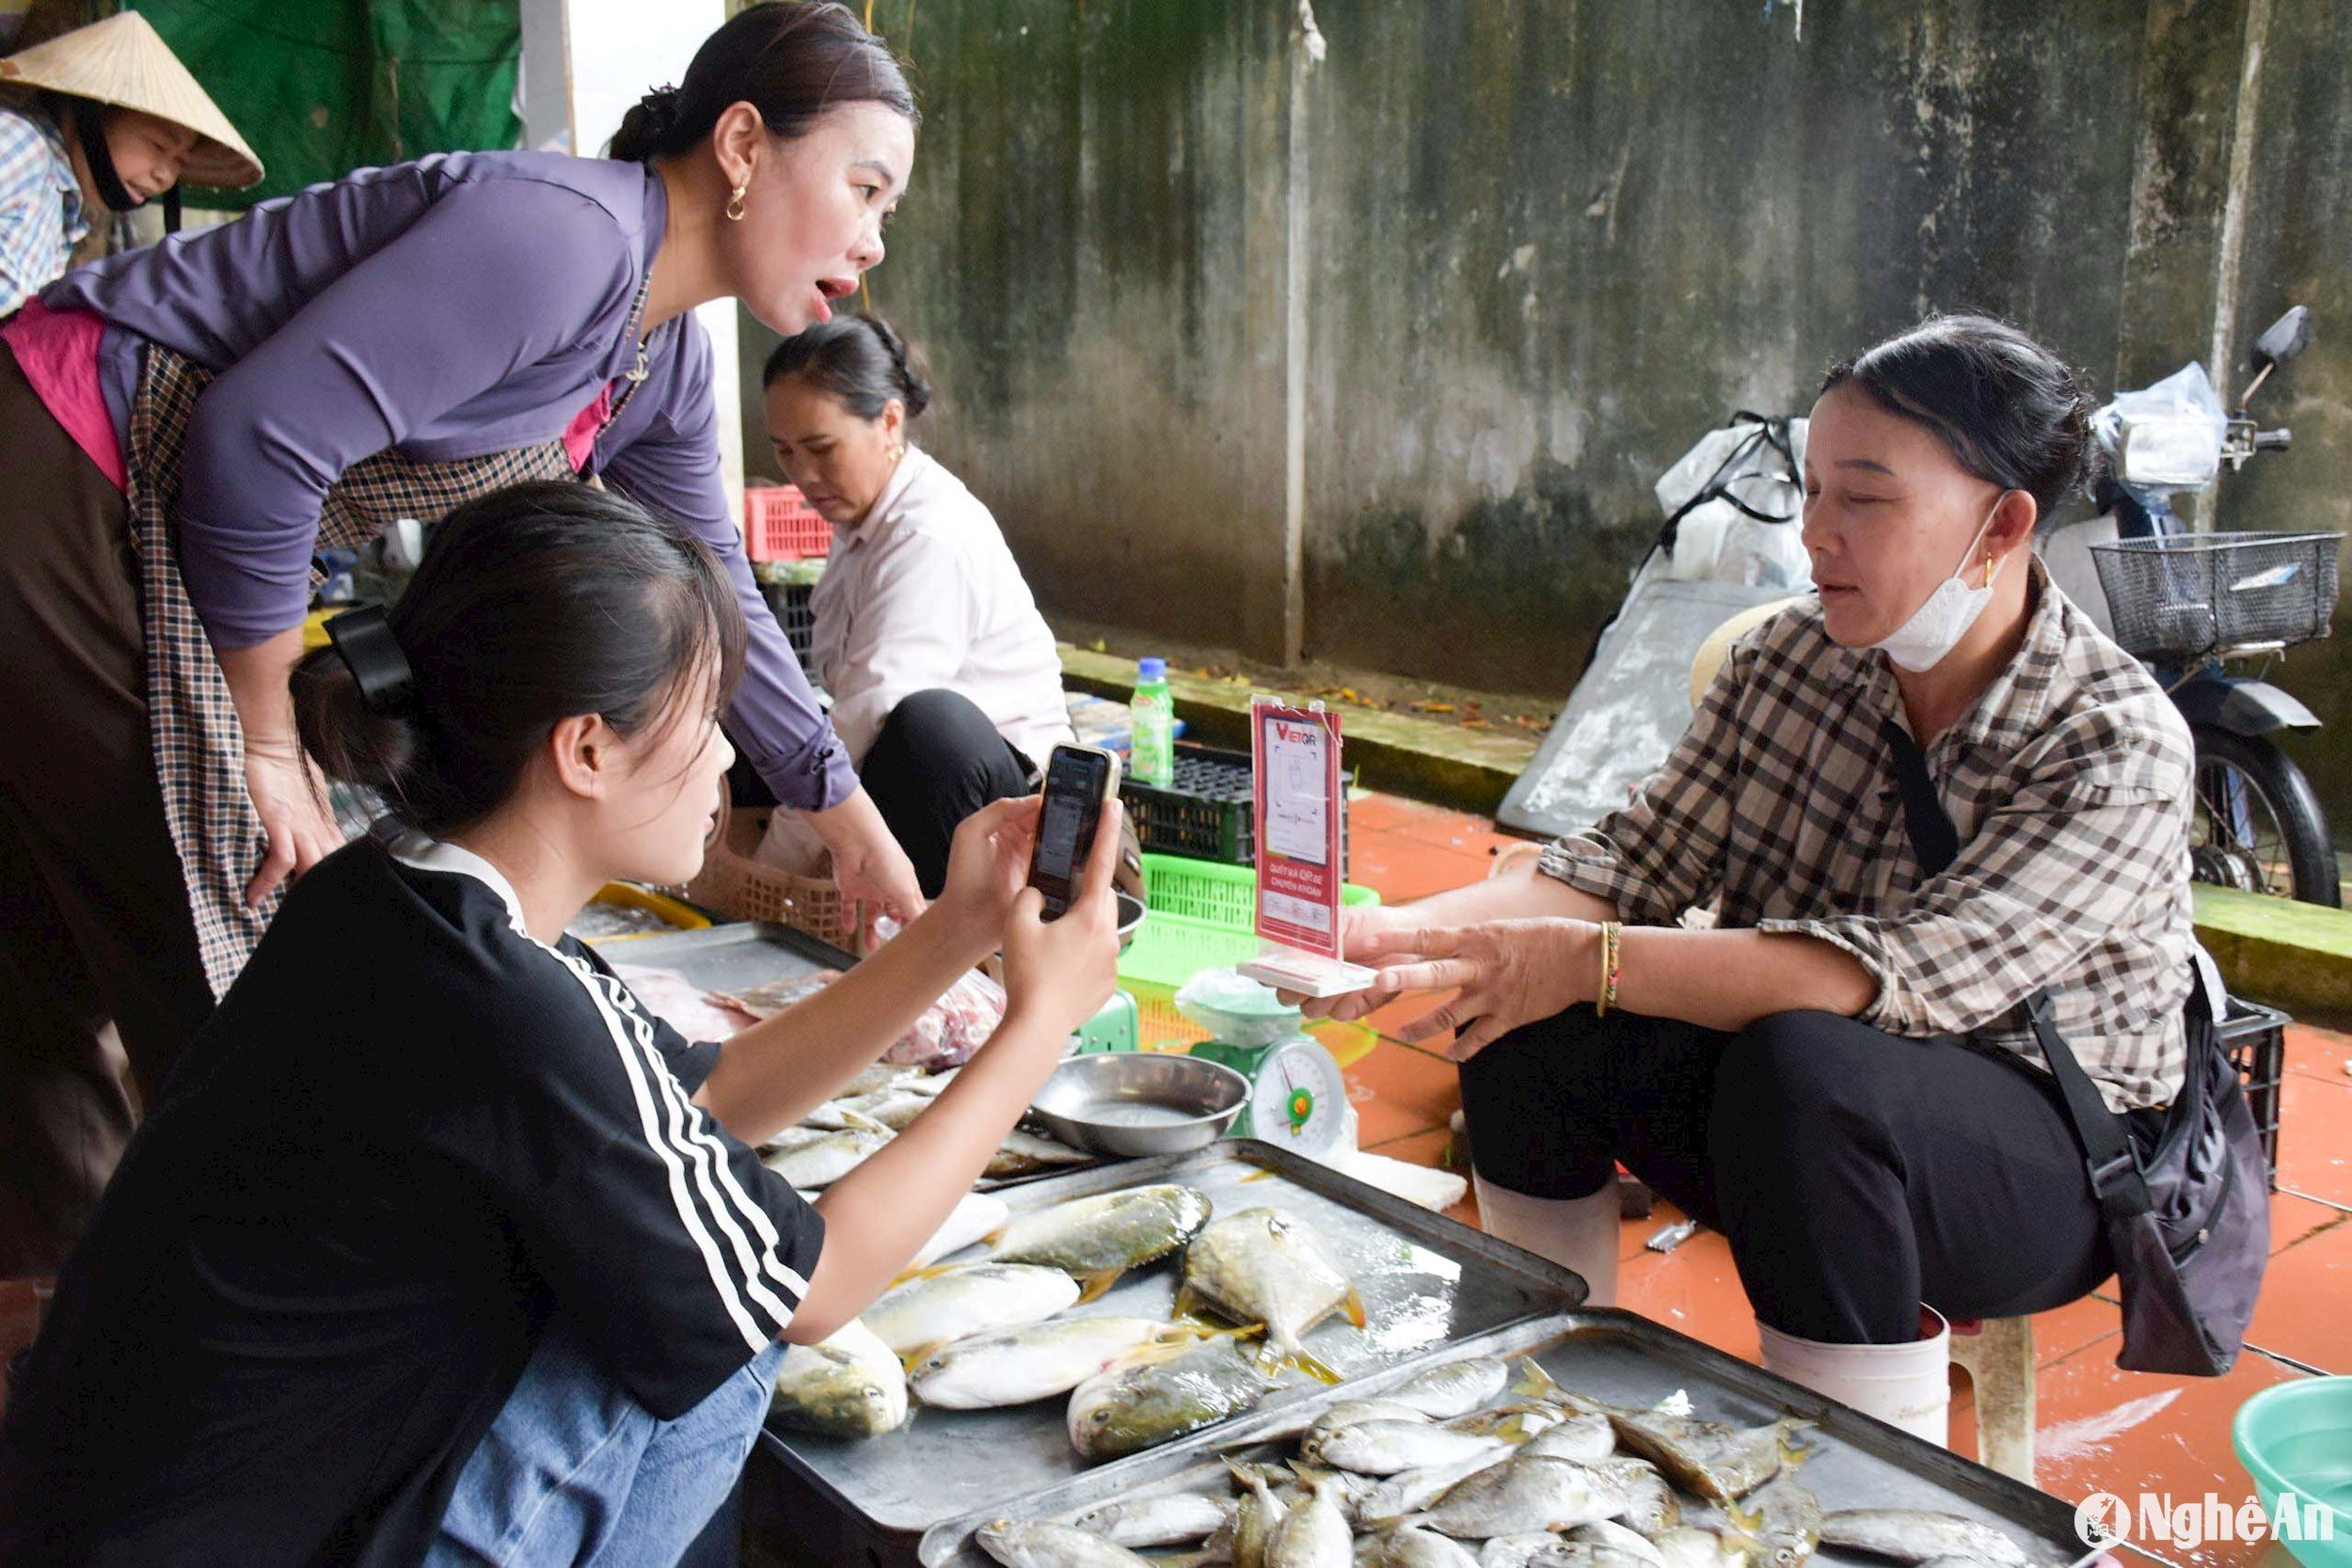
x,y
121,61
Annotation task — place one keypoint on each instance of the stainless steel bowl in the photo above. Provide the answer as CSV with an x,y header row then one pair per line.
x,y
1138,1103
1131,914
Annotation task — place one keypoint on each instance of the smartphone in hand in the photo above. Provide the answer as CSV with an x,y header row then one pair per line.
x,y
1078,779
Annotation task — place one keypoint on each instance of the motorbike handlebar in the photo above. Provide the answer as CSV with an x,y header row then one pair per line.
x,y
2273,440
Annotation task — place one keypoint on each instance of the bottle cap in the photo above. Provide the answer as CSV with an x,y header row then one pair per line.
x,y
1150,670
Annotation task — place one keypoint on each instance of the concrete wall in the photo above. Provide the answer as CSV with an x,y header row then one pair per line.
x,y
1441,307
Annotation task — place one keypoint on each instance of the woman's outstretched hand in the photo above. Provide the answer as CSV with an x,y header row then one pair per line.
x,y
1061,971
1505,973
988,865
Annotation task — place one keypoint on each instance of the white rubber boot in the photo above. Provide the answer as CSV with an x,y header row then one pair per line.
x,y
1579,1233
1904,1385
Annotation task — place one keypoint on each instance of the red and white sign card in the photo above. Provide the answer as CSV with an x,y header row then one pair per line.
x,y
1296,754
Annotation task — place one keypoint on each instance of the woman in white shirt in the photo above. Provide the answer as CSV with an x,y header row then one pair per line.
x,y
946,686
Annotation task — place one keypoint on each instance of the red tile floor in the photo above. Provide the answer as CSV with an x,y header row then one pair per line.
x,y
2098,1429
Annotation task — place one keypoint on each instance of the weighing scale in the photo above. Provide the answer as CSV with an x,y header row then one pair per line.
x,y
1297,1094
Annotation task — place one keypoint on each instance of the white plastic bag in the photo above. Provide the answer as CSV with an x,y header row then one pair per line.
x,y
2167,437
1748,529
1236,1010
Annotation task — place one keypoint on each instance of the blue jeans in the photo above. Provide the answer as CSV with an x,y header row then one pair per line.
x,y
576,1471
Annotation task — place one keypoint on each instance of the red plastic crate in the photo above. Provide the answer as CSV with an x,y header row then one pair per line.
x,y
779,526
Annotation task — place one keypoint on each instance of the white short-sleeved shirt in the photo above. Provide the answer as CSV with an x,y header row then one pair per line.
x,y
924,593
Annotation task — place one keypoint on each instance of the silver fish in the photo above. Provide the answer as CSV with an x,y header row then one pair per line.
x,y
810,1159
1717,1461
1452,1388
1585,1437
1313,1534
847,1385
1264,1266
1650,1504
1551,1551
1035,1544
1386,1447
1411,1490
1158,1395
1014,1366
1528,1493
1025,1153
1688,1546
975,1298
1920,1535
874,1079
1413,1547
1165,1519
1100,1237
1782,1519
1256,1517
1608,1532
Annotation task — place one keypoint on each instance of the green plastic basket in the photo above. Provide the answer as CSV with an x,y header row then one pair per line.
x,y
1203,915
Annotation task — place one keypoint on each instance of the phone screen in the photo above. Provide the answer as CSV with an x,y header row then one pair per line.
x,y
1076,784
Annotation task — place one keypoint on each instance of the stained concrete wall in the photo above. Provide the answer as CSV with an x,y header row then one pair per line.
x,y
1444,304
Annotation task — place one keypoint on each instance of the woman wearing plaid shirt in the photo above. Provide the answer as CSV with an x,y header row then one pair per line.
x,y
1838,1074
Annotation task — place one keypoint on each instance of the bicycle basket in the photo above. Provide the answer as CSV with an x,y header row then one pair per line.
x,y
2184,596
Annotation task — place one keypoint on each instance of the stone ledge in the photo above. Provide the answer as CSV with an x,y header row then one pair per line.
x,y
1423,758
2295,957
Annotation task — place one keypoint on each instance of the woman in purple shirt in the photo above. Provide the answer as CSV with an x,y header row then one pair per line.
x,y
188,424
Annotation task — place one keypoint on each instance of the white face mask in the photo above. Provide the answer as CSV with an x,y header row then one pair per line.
x,y
1937,627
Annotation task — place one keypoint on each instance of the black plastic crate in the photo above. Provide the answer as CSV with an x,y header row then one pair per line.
x,y
1207,811
791,602
2256,1039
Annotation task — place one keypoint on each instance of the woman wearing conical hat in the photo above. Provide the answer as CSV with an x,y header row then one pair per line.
x,y
101,119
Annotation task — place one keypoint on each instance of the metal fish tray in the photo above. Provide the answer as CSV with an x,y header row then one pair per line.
x,y
1618,1356
1426,1282
732,957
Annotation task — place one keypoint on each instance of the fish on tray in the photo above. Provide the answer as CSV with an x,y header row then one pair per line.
x,y
1167,1519
1157,1395
976,1298
1038,1543
1717,1461
1782,1519
810,1158
1025,1153
1388,1448
1411,1546
850,1384
1530,1494
1314,1533
1015,1366
1920,1535
1265,1266
1097,1239
1453,1388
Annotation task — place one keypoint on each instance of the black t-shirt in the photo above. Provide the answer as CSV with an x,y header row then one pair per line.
x,y
411,1133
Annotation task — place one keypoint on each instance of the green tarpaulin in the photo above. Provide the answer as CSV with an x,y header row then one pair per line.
x,y
320,87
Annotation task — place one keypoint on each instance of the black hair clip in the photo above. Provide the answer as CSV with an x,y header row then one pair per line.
x,y
363,638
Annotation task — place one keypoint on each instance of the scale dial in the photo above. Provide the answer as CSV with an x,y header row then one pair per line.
x,y
1298,1099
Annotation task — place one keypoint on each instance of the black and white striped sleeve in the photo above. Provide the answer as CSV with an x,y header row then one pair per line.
x,y
673,1250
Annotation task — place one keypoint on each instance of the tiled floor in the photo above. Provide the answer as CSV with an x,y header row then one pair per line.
x,y
2098,1429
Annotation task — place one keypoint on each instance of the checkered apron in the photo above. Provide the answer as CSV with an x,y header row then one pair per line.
x,y
199,749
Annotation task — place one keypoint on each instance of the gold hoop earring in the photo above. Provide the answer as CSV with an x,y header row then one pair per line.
x,y
735,203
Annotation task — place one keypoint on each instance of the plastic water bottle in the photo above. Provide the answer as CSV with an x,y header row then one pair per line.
x,y
1152,757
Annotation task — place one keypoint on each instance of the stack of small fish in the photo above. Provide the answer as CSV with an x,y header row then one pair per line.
x,y
875,1107
1430,1475
996,1331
